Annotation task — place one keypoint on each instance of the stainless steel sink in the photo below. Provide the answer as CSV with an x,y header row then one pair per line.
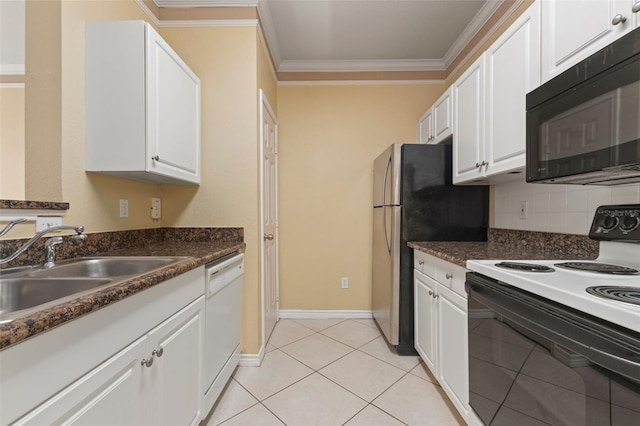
x,y
22,293
104,267
24,288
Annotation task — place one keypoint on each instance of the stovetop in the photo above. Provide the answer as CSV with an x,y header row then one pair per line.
x,y
618,230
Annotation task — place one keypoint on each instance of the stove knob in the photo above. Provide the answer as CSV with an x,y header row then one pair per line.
x,y
609,222
629,223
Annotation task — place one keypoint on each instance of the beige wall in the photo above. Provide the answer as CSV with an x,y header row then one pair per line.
x,y
328,139
12,143
227,61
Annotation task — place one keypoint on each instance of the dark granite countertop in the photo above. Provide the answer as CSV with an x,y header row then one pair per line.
x,y
196,253
511,245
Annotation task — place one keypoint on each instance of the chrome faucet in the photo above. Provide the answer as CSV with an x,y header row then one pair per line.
x,y
49,244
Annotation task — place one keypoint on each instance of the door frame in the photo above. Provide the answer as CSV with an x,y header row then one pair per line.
x,y
265,105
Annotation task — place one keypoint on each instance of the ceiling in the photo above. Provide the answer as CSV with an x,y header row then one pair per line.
x,y
362,35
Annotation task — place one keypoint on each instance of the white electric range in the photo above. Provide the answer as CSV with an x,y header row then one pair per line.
x,y
607,288
546,342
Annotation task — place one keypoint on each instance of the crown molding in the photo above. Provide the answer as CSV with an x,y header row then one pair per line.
x,y
209,23
269,29
152,17
206,3
360,82
362,65
476,24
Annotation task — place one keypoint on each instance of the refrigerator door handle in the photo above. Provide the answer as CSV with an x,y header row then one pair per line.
x,y
384,181
384,225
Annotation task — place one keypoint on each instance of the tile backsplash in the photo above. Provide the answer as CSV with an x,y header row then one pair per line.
x,y
565,209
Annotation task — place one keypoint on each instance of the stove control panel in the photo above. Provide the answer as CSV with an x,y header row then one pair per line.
x,y
616,223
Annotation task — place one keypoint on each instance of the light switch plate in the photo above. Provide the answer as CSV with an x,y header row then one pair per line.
x,y
124,208
156,208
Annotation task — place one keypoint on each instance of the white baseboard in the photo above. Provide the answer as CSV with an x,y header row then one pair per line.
x,y
308,314
252,360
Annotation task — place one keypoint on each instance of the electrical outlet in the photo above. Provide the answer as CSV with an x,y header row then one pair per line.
x,y
156,208
46,222
345,282
524,210
124,208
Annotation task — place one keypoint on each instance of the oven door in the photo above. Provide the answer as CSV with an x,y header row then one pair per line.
x,y
584,125
535,362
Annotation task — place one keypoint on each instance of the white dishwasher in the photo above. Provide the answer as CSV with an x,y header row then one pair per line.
x,y
223,314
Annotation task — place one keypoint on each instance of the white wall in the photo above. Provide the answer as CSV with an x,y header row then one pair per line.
x,y
565,209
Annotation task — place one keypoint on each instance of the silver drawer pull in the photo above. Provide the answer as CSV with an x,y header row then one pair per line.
x,y
448,276
147,362
156,158
618,19
430,293
636,7
421,262
158,352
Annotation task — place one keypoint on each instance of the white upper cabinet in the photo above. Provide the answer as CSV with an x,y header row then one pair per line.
x,y
437,123
142,106
489,120
513,70
425,127
574,29
468,123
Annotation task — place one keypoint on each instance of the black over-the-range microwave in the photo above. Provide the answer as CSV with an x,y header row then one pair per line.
x,y
583,126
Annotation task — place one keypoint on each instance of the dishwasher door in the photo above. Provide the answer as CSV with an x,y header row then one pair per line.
x,y
223,314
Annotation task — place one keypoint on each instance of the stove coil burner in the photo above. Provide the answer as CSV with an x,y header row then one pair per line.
x,y
526,267
602,268
621,294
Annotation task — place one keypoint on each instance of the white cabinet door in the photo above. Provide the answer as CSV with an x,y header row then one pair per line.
x,y
175,377
452,348
425,127
442,117
111,394
468,123
142,105
574,29
173,116
425,319
512,70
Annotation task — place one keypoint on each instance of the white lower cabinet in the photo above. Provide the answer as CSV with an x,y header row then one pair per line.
x,y
154,381
138,361
441,326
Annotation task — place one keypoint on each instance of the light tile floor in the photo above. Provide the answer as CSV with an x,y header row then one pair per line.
x,y
332,372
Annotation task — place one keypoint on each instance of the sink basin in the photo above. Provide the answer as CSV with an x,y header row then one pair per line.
x,y
104,267
22,293
24,288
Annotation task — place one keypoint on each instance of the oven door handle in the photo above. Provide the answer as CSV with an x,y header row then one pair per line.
x,y
621,366
558,327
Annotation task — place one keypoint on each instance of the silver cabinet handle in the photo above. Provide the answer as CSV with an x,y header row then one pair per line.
x,y
477,165
156,158
448,276
430,293
421,262
158,352
435,296
147,362
268,237
618,19
636,7
484,163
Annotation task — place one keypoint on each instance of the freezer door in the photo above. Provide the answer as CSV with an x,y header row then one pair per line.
x,y
386,270
386,177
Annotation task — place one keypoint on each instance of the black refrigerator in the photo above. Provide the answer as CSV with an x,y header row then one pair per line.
x,y
414,200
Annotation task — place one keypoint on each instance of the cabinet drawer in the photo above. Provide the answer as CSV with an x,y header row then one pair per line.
x,y
446,273
422,264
